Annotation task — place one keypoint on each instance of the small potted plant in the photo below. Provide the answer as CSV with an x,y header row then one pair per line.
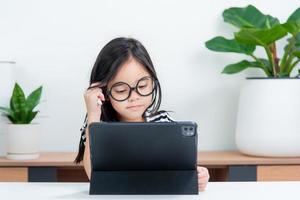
x,y
269,110
22,134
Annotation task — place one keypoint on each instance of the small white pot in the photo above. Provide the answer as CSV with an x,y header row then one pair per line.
x,y
2,139
23,141
268,119
7,80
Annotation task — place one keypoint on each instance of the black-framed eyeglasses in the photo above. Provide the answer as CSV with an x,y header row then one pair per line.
x,y
121,91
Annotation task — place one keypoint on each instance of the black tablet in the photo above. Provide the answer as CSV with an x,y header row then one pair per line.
x,y
143,158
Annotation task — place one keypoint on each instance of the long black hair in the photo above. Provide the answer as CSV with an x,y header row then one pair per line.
x,y
108,61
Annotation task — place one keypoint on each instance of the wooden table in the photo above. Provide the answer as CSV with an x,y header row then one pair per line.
x,y
223,166
235,166
49,167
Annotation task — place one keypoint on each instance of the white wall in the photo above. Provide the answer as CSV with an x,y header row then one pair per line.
x,y
55,43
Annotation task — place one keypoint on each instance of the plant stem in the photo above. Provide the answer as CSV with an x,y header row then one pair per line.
x,y
269,54
275,58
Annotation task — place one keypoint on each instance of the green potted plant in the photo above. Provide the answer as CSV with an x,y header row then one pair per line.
x,y
268,112
22,134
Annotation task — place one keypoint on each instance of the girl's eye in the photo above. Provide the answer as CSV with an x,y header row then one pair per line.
x,y
142,86
121,91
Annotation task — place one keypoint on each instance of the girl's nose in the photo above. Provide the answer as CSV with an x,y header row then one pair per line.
x,y
134,95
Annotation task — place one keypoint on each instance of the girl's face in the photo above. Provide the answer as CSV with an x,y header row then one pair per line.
x,y
131,109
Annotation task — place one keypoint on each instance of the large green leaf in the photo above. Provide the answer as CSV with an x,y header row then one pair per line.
x,y
293,23
292,27
270,22
18,101
222,44
34,98
240,66
248,17
295,15
262,37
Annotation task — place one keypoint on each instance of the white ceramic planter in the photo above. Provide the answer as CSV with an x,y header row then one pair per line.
x,y
268,119
22,141
6,86
2,137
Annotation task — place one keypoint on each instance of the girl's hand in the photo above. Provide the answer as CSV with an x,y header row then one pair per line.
x,y
203,177
93,98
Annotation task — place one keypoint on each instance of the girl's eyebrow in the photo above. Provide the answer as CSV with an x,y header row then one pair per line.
x,y
119,83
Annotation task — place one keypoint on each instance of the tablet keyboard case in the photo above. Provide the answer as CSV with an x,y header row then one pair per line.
x,y
158,158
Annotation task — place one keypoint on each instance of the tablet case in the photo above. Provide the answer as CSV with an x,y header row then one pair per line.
x,y
143,158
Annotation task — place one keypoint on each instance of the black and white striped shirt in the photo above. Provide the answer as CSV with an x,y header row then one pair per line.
x,y
160,116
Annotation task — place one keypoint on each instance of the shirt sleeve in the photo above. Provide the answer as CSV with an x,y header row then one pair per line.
x,y
161,116
83,132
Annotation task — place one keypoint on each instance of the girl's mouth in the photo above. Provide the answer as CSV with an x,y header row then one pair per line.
x,y
134,107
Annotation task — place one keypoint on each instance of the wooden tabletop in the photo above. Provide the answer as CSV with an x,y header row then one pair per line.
x,y
46,159
205,158
237,158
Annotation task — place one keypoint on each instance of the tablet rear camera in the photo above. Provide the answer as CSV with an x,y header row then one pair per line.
x,y
188,131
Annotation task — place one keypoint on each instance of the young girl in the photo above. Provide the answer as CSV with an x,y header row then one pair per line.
x,y
124,87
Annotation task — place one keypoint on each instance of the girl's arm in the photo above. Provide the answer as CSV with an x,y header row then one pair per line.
x,y
87,156
91,96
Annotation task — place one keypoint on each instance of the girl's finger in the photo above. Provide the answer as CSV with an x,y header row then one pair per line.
x,y
201,188
202,184
203,179
96,85
96,89
203,172
101,97
201,169
203,175
99,102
